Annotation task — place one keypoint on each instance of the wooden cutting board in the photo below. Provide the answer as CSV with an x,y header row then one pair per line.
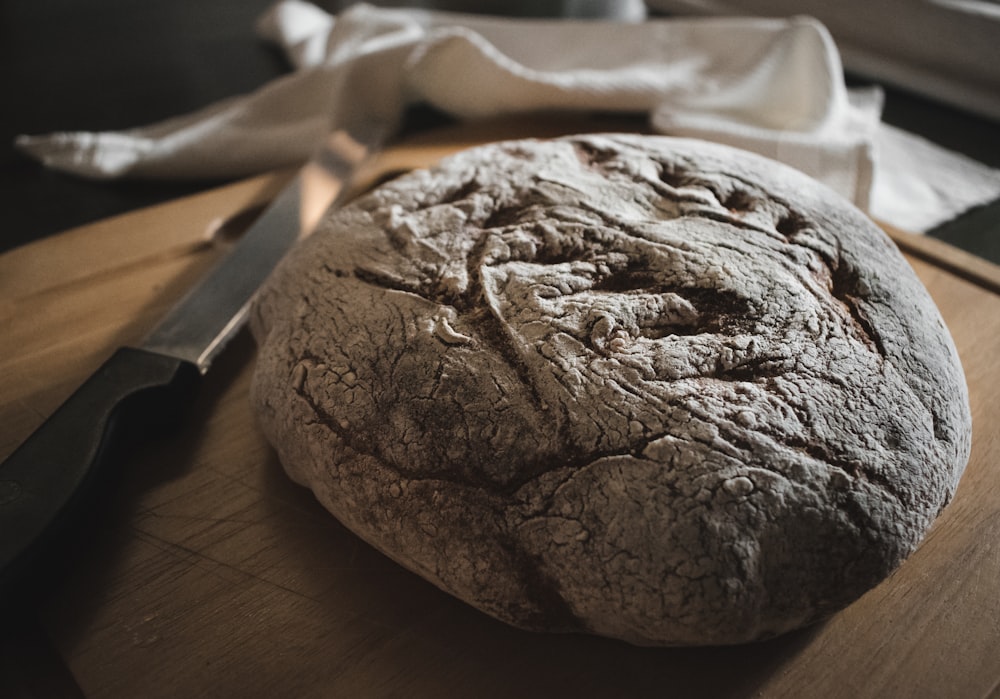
x,y
212,575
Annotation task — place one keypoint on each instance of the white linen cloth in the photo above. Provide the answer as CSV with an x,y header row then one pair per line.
x,y
773,86
919,185
946,49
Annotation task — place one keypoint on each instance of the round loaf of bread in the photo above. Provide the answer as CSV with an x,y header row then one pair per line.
x,y
649,388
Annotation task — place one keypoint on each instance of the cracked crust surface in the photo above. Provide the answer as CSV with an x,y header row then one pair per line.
x,y
649,388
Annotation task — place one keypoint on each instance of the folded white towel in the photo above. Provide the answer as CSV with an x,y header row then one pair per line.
x,y
774,86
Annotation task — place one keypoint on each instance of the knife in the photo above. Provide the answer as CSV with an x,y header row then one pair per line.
x,y
48,484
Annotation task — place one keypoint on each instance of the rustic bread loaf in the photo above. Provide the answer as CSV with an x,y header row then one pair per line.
x,y
649,388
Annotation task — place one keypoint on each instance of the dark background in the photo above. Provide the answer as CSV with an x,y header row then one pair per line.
x,y
95,65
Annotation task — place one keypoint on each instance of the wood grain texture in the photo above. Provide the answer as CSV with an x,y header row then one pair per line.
x,y
211,574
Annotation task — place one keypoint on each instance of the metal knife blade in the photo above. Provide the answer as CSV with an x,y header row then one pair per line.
x,y
48,483
197,328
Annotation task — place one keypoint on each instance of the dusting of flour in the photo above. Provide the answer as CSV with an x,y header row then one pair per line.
x,y
648,388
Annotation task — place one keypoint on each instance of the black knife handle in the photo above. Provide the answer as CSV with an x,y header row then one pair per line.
x,y
47,484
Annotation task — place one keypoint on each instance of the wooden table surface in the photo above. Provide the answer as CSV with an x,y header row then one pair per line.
x,y
211,575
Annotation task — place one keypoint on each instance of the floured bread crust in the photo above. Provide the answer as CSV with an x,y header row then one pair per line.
x,y
649,388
